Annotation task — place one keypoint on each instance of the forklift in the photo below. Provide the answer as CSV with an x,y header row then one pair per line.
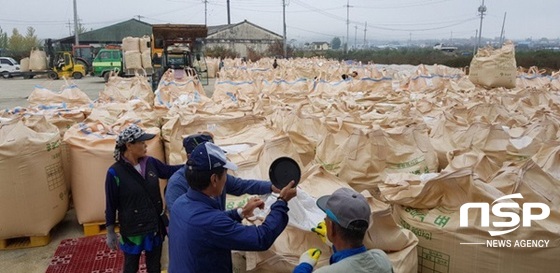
x,y
61,64
66,67
173,47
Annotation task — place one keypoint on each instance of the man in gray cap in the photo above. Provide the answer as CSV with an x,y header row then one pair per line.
x,y
347,221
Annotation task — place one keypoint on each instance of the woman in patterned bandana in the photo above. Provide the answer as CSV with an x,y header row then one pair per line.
x,y
132,189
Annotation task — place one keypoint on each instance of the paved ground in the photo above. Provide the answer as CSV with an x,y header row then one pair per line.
x,y
14,92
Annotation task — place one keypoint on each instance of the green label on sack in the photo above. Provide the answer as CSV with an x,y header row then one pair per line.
x,y
233,202
53,145
417,231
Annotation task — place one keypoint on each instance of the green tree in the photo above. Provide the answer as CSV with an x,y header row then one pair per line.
x,y
335,43
16,41
3,39
30,40
19,46
81,28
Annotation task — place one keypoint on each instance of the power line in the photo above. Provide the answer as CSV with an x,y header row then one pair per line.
x,y
425,23
311,31
411,5
425,29
376,26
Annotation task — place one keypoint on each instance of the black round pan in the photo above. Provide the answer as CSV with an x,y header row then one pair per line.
x,y
282,171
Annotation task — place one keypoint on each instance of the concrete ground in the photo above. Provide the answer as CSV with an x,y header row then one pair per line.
x,y
13,93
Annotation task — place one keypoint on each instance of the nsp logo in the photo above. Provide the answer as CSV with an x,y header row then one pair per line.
x,y
497,210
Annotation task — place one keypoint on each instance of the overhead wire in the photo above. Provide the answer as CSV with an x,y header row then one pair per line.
x,y
310,31
409,5
377,26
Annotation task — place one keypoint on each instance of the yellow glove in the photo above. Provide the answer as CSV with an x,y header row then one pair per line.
x,y
311,256
321,230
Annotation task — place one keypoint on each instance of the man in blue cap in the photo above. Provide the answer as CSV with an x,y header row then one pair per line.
x,y
178,185
347,221
202,234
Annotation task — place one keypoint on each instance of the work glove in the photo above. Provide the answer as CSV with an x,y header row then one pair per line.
x,y
311,256
112,239
321,230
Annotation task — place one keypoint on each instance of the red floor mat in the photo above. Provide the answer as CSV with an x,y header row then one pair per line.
x,y
88,254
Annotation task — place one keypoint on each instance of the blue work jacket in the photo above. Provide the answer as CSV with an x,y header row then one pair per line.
x,y
202,236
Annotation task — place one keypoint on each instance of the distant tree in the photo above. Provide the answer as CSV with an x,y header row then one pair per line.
x,y
220,51
82,28
335,43
3,39
253,55
277,49
19,46
30,40
16,41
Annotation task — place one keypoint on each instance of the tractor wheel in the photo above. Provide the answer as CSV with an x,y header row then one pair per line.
x,y
52,75
77,75
86,66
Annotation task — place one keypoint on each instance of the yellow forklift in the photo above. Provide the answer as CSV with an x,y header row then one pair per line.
x,y
60,64
66,67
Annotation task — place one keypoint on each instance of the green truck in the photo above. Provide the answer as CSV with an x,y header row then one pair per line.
x,y
105,61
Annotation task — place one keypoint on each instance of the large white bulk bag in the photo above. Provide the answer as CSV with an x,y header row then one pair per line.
x,y
91,151
70,97
146,59
37,60
33,194
133,59
131,44
24,64
144,43
492,68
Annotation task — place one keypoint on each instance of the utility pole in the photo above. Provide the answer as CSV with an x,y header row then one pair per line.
x,y
76,39
347,25
356,37
502,33
285,46
475,47
482,10
228,17
365,30
206,11
410,39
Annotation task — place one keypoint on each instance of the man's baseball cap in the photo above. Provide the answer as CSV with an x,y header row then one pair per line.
x,y
190,142
208,156
347,208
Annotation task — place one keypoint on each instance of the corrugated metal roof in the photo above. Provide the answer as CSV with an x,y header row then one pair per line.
x,y
112,34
